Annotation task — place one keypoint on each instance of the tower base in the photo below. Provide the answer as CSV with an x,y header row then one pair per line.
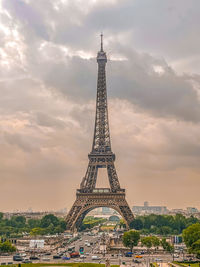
x,y
85,202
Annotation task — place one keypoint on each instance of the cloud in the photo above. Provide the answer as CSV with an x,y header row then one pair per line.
x,y
163,94
48,75
43,119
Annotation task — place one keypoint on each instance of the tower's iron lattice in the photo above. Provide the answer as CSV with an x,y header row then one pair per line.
x,y
88,197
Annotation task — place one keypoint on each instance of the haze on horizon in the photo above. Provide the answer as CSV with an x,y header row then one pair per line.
x,y
47,99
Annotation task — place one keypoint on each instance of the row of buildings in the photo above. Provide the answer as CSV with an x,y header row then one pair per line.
x,y
147,209
104,211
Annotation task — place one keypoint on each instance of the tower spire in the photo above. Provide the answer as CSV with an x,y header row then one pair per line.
x,y
101,42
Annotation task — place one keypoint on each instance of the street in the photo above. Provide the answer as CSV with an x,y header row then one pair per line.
x,y
91,246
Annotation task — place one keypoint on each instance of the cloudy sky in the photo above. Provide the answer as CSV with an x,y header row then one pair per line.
x,y
48,77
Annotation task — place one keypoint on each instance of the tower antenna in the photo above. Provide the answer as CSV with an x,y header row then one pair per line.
x,y
101,42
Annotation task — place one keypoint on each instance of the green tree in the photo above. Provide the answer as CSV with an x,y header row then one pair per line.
x,y
1,216
21,220
33,223
37,231
191,220
155,242
48,220
191,234
131,239
137,224
179,222
7,230
147,242
167,246
7,247
63,225
122,223
195,248
165,230
191,237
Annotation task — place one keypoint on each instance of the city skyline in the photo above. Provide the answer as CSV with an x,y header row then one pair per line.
x,y
48,89
66,209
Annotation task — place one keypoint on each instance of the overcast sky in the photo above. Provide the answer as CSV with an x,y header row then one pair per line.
x,y
48,75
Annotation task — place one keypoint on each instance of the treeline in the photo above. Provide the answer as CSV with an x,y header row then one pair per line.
x,y
132,238
90,221
18,225
162,224
191,238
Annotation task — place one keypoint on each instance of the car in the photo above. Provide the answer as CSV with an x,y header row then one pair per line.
x,y
136,261
47,253
26,260
176,256
17,258
46,259
34,258
94,257
83,257
74,254
56,257
158,259
138,256
65,258
128,254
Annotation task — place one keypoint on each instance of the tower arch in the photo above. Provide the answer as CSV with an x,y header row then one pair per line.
x,y
77,224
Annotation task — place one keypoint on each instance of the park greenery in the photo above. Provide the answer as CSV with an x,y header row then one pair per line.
x,y
191,237
162,224
17,226
90,221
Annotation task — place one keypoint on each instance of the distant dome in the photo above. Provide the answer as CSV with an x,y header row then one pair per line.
x,y
114,218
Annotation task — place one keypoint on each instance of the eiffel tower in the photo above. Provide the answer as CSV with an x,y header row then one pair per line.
x,y
88,196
